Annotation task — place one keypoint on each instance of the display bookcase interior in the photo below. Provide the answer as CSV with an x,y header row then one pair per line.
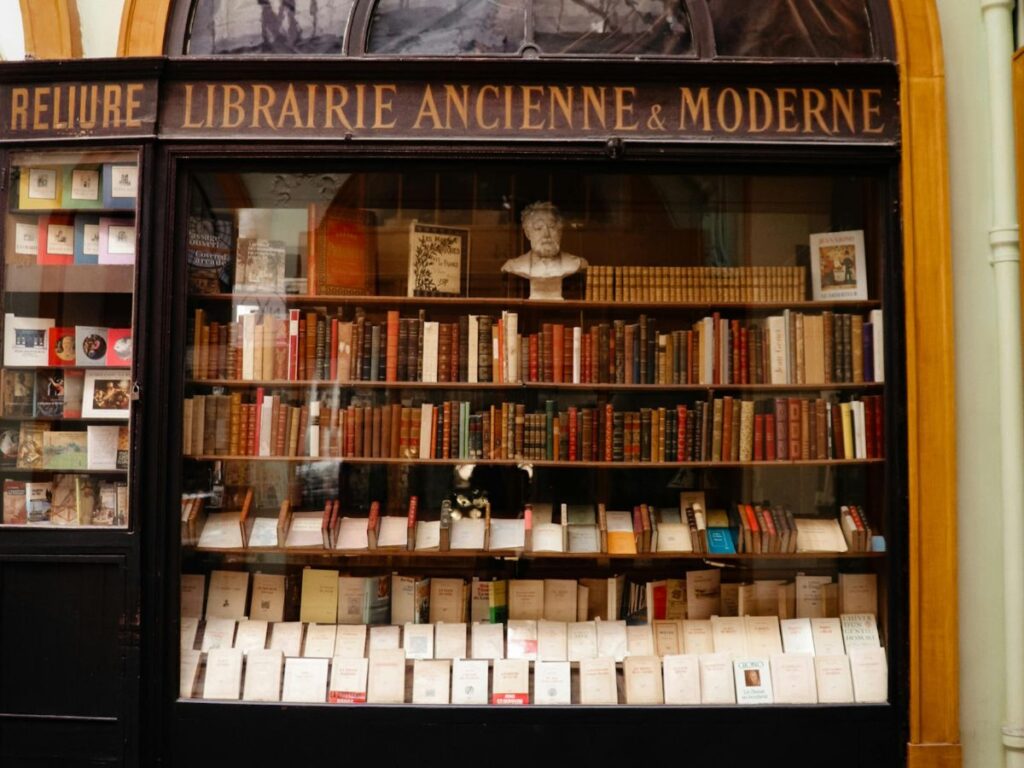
x,y
68,299
491,436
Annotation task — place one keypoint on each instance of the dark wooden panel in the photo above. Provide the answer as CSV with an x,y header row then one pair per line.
x,y
60,635
42,743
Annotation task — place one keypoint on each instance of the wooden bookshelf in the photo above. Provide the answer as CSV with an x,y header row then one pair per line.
x,y
548,463
70,278
534,385
513,304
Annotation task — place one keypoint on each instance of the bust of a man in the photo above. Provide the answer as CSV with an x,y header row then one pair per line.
x,y
545,264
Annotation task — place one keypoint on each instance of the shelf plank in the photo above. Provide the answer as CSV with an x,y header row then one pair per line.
x,y
477,554
535,385
527,304
42,470
546,463
70,278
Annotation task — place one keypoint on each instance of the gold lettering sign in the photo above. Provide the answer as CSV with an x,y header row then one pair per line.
x,y
76,109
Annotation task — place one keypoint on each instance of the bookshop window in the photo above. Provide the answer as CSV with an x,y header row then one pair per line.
x,y
494,434
69,281
228,27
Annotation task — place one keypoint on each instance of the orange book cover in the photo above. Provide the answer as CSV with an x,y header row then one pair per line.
x,y
391,365
557,353
340,258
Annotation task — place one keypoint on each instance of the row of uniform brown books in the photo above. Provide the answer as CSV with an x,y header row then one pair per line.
x,y
695,284
719,429
789,348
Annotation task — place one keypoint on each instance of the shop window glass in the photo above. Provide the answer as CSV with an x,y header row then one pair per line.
x,y
447,27
268,26
838,29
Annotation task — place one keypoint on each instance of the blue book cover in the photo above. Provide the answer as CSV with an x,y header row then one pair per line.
x,y
120,185
87,239
720,542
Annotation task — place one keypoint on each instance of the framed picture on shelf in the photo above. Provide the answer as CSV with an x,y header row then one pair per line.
x,y
90,345
106,395
26,341
19,387
22,240
81,187
87,239
56,239
120,185
117,241
39,188
259,266
436,258
838,269
340,260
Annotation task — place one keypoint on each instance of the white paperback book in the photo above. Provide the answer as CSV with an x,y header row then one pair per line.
x,y
262,676
228,590
218,633
428,534
263,533
511,682
469,681
858,593
832,676
560,599
753,681
674,537
729,634
394,532
418,641
697,637
639,640
223,674
703,593
350,641
525,599
793,678
763,638
267,601
716,679
598,684
611,639
667,637
431,681
643,680
797,636
450,640
305,530
507,534
251,635
101,450
386,680
188,669
467,533
810,596
860,630
870,675
221,531
348,680
681,674
384,639
828,637
189,628
547,537
552,640
582,640
352,534
320,641
305,680
551,683
193,585
488,641
522,639
286,637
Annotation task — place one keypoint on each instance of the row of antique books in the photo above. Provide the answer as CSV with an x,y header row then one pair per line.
x,y
66,499
788,348
231,674
328,596
720,429
697,284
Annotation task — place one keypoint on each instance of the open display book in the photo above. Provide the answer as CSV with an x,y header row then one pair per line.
x,y
630,431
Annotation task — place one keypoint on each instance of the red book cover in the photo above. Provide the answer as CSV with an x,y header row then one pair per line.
x,y
716,353
759,437
611,357
769,437
585,360
333,349
293,344
411,517
454,370
727,435
446,430
572,433
56,239
781,431
62,346
567,353
609,418
735,375
301,351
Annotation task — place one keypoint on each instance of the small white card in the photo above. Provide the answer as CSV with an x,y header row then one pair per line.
x,y
26,239
124,181
42,184
352,534
394,532
85,184
467,533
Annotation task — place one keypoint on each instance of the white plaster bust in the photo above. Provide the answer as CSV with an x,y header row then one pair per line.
x,y
545,264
